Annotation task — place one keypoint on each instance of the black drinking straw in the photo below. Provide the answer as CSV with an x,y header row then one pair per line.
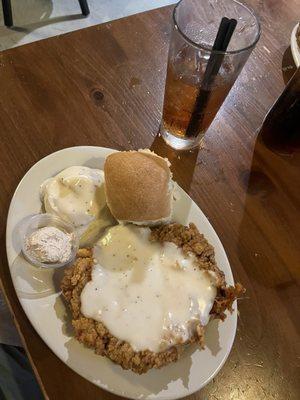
x,y
221,43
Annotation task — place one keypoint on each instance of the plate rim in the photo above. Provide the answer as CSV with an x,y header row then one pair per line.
x,y
157,396
295,49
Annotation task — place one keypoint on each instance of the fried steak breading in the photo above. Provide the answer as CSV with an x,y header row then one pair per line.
x,y
95,335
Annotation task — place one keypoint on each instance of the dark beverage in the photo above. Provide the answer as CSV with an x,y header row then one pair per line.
x,y
281,128
180,97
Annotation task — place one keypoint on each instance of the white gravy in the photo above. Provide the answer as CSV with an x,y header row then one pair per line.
x,y
145,293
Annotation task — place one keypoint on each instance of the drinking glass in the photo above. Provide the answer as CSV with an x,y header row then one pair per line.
x,y
195,26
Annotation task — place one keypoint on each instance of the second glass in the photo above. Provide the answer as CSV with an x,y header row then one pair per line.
x,y
195,25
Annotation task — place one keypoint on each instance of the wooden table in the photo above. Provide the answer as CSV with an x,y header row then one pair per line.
x,y
104,86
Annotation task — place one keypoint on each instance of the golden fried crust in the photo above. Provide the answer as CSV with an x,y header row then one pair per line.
x,y
190,240
95,335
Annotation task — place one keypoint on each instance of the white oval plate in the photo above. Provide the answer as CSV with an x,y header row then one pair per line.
x,y
39,295
294,47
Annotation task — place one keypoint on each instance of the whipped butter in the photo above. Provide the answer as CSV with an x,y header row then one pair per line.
x,y
149,294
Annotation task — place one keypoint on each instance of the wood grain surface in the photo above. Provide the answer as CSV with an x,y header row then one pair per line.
x,y
104,86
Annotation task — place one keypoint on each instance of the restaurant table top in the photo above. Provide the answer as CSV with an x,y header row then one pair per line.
x,y
103,86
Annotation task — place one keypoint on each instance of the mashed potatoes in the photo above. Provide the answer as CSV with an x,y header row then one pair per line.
x,y
77,196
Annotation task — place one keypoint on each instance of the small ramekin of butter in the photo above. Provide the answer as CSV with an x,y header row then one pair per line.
x,y
48,241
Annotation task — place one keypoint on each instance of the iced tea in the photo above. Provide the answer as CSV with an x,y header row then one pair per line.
x,y
191,100
180,97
